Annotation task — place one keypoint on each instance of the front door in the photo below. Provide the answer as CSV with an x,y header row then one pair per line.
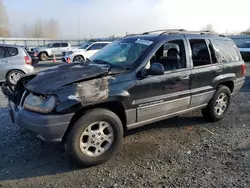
x,y
167,94
92,49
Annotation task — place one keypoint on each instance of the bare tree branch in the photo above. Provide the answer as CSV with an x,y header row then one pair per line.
x,y
4,32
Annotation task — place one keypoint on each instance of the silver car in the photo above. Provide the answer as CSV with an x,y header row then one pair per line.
x,y
14,63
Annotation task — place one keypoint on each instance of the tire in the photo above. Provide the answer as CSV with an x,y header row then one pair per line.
x,y
13,76
43,56
212,112
85,157
78,58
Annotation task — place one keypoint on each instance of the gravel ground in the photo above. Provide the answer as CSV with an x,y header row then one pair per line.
x,y
179,152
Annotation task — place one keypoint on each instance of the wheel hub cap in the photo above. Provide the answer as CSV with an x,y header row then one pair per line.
x,y
14,77
221,104
96,139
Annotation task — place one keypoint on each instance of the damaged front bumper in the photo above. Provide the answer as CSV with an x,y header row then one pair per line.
x,y
46,127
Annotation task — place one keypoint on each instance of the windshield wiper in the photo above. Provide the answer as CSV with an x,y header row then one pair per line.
x,y
110,64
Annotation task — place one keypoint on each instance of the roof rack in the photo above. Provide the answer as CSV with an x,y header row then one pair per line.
x,y
177,31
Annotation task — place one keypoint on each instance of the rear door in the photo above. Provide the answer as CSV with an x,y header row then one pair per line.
x,y
3,62
205,69
9,60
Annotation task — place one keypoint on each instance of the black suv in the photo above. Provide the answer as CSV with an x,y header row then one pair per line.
x,y
134,81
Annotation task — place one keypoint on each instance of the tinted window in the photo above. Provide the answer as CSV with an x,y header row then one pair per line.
x,y
200,52
12,51
226,50
2,52
56,45
103,45
64,45
95,47
171,55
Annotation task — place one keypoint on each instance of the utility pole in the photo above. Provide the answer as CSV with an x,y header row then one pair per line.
x,y
78,29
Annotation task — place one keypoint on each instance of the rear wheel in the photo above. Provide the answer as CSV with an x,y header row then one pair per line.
x,y
78,58
13,76
95,137
43,56
219,105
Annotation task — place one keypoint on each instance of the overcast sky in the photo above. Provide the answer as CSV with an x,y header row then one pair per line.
x,y
101,18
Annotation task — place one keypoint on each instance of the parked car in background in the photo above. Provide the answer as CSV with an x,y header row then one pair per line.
x,y
14,63
82,47
51,49
245,51
129,83
34,57
83,53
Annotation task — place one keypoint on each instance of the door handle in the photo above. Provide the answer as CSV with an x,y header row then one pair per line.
x,y
4,61
185,78
218,70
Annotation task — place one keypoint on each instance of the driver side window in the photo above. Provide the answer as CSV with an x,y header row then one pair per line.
x,y
171,55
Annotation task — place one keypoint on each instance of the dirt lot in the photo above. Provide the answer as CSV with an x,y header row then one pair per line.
x,y
179,152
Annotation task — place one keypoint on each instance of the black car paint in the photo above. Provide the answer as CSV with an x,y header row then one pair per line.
x,y
34,58
80,85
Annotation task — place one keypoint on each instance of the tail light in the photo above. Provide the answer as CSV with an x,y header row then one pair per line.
x,y
35,54
243,69
27,60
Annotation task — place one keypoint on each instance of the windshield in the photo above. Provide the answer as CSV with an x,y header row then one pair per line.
x,y
84,46
122,53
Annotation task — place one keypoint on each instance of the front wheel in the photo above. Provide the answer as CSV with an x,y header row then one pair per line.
x,y
95,137
43,56
219,105
78,58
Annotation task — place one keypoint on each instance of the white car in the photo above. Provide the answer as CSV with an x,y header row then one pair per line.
x,y
80,54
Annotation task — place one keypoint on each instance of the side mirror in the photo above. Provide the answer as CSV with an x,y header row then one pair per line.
x,y
156,69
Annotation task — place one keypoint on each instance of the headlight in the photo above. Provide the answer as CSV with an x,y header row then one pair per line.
x,y
39,103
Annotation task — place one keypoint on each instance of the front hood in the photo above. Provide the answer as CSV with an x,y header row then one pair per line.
x,y
46,81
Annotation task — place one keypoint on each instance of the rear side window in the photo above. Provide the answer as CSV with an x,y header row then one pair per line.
x,y
200,52
12,51
3,53
64,45
226,51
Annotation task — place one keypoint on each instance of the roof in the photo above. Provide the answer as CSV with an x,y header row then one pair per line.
x,y
168,32
11,45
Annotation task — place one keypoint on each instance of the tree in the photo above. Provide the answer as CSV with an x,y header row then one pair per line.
x,y
208,27
53,29
246,32
26,31
4,32
38,29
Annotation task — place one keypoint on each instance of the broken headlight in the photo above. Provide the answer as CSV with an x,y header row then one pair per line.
x,y
39,103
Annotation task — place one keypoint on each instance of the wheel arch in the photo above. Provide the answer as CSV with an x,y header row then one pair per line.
x,y
226,80
7,73
114,106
